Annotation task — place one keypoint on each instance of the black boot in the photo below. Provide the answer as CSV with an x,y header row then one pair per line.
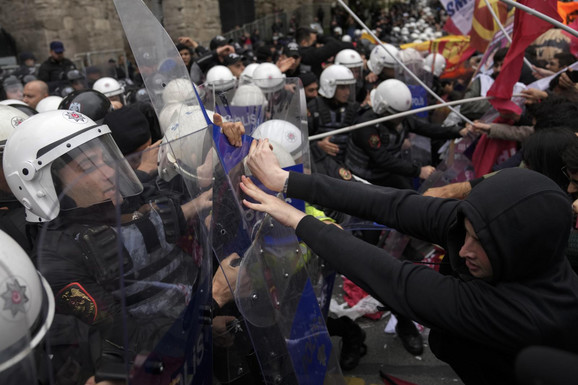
x,y
409,335
353,346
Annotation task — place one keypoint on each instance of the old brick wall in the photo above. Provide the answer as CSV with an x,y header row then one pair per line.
x,y
89,26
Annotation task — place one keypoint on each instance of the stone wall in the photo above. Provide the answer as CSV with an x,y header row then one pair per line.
x,y
91,26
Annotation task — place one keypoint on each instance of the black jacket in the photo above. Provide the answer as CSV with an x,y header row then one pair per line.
x,y
478,327
53,72
374,152
312,57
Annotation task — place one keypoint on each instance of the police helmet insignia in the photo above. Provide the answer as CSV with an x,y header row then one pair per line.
x,y
15,298
75,106
374,141
290,136
16,121
344,173
76,116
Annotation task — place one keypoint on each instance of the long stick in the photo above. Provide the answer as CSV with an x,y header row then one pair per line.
x,y
399,62
540,15
398,115
497,20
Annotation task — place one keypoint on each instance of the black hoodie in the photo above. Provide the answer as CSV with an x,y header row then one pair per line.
x,y
477,326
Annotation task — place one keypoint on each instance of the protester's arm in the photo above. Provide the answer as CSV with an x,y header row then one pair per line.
x,y
435,131
405,210
417,292
507,132
316,56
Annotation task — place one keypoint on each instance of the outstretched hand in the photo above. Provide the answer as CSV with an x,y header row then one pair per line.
x,y
264,165
283,212
234,131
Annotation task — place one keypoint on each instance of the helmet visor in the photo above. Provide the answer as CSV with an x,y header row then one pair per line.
x,y
92,173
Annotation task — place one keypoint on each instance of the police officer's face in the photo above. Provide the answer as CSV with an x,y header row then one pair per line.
x,y
88,179
342,93
356,72
58,56
476,258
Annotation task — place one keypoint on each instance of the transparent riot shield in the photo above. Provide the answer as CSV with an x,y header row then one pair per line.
x,y
27,311
253,105
273,292
130,264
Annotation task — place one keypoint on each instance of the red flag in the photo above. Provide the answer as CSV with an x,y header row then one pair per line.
x,y
527,28
484,26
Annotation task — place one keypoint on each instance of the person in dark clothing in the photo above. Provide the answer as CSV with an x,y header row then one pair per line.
x,y
505,283
312,55
12,219
27,69
376,153
219,48
334,108
53,70
310,85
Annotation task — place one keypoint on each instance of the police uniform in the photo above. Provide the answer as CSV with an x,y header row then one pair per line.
x,y
375,152
79,257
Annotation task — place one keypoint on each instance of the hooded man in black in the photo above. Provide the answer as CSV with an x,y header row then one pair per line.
x,y
482,313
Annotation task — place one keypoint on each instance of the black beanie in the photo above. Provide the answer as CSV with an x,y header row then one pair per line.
x,y
129,127
307,78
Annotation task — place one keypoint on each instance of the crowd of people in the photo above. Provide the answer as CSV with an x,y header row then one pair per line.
x,y
115,217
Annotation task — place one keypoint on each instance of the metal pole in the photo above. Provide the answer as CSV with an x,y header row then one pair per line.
x,y
398,115
497,20
540,15
418,80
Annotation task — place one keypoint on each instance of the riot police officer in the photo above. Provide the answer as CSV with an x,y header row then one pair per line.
x,y
377,153
112,264
334,108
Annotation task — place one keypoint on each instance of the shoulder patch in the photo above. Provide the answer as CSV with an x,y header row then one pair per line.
x,y
344,173
374,141
74,299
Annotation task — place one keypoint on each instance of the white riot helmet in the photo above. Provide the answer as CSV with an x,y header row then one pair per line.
x,y
282,132
283,157
381,58
435,63
10,118
108,86
349,58
248,95
178,91
346,39
47,150
7,102
26,311
268,77
185,144
334,76
220,78
247,74
390,96
49,103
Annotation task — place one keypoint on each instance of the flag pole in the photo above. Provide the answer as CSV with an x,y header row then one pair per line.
x,y
540,15
498,22
399,115
399,62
